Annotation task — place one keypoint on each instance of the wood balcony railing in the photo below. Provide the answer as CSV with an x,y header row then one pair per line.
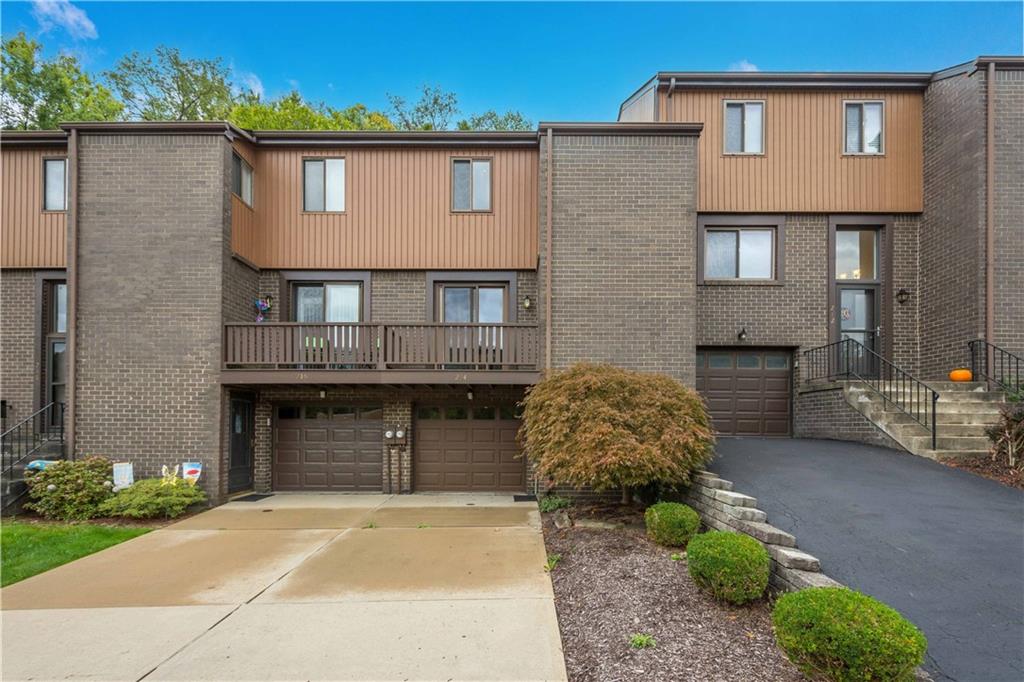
x,y
366,347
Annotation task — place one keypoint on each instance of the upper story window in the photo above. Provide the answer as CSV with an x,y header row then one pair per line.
x,y
241,178
328,302
744,127
739,253
55,186
864,124
471,185
323,185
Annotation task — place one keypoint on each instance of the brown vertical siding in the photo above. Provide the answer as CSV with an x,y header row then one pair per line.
x,y
803,168
397,213
29,236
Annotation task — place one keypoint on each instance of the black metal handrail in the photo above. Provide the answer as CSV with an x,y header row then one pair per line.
x,y
25,438
997,365
850,359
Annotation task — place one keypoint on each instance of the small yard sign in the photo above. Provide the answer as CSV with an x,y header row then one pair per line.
x,y
124,475
191,471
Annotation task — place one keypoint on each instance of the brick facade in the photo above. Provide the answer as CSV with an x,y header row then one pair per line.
x,y
1009,211
151,263
19,359
624,271
822,412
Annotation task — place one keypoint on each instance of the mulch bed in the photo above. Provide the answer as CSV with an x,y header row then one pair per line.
x,y
989,468
613,582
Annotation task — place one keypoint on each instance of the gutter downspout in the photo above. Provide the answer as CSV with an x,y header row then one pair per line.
x,y
547,251
72,282
990,213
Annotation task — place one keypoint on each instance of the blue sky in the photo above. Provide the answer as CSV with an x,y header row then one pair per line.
x,y
566,61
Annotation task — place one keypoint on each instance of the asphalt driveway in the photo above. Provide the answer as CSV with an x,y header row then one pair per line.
x,y
301,587
944,547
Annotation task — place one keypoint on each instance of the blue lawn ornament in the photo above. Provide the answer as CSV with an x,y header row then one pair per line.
x,y
39,464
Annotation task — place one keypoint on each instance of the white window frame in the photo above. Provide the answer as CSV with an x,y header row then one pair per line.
x,y
63,160
244,165
842,127
344,182
725,124
489,160
738,229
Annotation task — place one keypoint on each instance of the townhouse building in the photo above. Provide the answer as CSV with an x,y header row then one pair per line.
x,y
362,311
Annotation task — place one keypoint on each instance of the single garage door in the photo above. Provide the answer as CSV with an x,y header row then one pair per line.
x,y
464,448
748,390
328,447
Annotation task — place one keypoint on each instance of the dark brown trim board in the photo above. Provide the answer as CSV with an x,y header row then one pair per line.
x,y
291,277
776,221
510,278
884,224
44,279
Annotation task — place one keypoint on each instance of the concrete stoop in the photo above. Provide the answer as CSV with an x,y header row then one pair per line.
x,y
722,508
963,412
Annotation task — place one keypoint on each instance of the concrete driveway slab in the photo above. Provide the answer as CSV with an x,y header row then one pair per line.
x,y
452,500
492,639
414,517
98,644
170,568
232,517
420,563
313,500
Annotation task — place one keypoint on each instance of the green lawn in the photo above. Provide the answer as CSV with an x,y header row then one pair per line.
x,y
28,548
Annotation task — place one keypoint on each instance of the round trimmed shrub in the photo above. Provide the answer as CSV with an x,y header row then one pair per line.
x,y
733,567
70,491
671,524
846,636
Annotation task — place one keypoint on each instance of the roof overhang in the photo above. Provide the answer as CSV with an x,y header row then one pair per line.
x,y
620,128
683,80
396,138
33,138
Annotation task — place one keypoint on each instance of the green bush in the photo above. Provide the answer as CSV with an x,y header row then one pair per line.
x,y
733,567
152,497
846,636
70,491
671,524
550,503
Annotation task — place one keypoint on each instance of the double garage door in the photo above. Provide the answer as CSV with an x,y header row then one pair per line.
x,y
459,448
748,390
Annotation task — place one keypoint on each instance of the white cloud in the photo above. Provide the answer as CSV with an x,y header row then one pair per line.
x,y
251,82
61,13
743,65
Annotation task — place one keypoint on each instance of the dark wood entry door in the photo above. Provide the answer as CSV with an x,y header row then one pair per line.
x,y
748,391
329,447
467,448
240,469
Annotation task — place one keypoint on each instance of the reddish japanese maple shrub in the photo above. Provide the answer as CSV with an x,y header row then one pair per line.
x,y
604,427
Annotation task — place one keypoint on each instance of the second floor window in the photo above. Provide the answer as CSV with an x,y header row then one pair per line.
x,y
241,178
864,128
324,185
471,185
737,253
55,186
744,127
331,302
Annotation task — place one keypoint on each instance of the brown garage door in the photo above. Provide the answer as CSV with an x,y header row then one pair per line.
x,y
748,391
328,447
467,449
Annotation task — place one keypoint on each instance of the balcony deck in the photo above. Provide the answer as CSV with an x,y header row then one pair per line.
x,y
392,354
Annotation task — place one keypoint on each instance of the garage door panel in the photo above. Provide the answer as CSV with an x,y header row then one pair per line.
x,y
478,454
335,448
743,395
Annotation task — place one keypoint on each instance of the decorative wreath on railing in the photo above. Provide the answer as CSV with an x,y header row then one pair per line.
x,y
263,305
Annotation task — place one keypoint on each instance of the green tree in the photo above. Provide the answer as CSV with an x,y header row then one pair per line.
x,y
492,120
165,86
291,112
39,94
434,110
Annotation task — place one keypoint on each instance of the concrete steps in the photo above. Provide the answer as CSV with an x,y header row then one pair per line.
x,y
962,413
12,485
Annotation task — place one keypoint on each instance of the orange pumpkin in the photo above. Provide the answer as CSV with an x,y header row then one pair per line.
x,y
961,374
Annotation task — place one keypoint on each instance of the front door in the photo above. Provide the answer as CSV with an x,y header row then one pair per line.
x,y
240,470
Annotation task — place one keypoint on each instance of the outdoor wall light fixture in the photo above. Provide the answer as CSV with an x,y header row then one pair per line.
x,y
527,302
742,336
902,295
469,395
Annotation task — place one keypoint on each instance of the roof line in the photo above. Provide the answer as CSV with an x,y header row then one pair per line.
x,y
621,128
